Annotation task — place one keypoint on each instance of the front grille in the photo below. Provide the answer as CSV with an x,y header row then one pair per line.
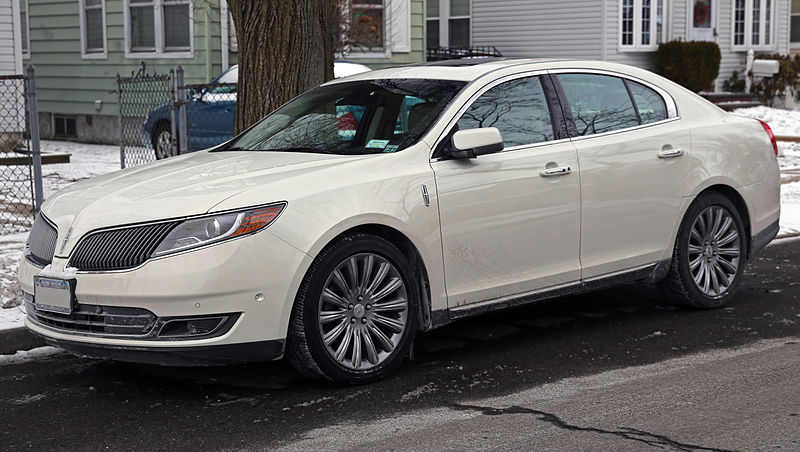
x,y
119,249
97,320
42,240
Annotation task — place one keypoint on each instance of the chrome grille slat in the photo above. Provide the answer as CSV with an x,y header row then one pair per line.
x,y
119,249
42,239
111,321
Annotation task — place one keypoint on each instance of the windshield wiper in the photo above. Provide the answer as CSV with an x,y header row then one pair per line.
x,y
299,149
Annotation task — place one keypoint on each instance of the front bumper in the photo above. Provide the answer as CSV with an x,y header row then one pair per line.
x,y
253,280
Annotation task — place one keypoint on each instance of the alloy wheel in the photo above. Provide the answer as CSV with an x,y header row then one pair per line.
x,y
363,311
714,254
164,144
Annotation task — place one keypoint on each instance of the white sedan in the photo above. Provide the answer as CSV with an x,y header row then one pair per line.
x,y
389,203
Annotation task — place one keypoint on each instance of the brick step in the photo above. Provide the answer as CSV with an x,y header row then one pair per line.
x,y
718,98
730,106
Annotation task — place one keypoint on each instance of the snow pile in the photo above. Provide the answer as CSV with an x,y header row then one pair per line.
x,y
790,208
87,160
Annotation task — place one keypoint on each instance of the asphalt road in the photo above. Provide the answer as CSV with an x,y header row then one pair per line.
x,y
614,370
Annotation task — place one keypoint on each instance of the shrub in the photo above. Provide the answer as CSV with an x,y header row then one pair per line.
x,y
787,80
694,65
734,84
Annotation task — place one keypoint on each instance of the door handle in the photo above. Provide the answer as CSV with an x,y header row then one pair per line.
x,y
670,153
557,171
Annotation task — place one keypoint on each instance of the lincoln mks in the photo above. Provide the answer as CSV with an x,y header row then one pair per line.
x,y
382,205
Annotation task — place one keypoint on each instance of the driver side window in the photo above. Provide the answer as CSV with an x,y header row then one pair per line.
x,y
518,108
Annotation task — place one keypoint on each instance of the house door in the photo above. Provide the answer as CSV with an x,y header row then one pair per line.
x,y
703,20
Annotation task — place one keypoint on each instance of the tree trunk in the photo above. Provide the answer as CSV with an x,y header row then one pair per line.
x,y
285,49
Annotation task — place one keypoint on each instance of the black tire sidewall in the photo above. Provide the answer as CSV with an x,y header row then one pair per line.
x,y
338,253
698,298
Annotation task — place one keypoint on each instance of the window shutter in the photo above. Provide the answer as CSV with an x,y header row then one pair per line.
x,y
400,23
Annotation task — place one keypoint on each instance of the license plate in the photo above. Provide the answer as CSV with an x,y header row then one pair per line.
x,y
54,295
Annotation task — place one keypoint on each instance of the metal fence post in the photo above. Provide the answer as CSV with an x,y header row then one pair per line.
x,y
33,112
173,105
182,127
119,123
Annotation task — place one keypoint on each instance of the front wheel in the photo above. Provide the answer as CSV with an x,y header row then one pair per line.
x,y
709,255
354,316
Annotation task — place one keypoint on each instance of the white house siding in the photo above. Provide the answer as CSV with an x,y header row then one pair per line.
x,y
9,56
525,28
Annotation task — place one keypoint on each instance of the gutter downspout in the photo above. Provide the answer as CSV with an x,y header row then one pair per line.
x,y
208,41
224,33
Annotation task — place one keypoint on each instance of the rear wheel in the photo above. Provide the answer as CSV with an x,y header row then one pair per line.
x,y
709,255
162,141
353,318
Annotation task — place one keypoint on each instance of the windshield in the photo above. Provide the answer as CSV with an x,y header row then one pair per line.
x,y
353,118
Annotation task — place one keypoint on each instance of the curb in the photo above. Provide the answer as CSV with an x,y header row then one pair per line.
x,y
14,339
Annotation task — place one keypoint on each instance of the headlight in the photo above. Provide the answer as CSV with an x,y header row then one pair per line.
x,y
197,232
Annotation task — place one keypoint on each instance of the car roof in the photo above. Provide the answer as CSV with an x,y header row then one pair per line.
x,y
466,69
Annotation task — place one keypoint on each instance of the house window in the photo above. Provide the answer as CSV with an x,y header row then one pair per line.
x,y
795,26
156,28
367,26
24,28
93,28
65,126
432,23
449,23
752,24
641,24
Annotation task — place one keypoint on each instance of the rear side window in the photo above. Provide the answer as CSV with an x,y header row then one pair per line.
x,y
650,104
518,108
599,103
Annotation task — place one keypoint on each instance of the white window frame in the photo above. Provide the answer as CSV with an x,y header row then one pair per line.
x,y
158,18
793,44
444,22
85,54
387,30
748,26
637,45
26,48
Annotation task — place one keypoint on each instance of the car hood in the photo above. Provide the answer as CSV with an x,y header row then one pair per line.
x,y
180,186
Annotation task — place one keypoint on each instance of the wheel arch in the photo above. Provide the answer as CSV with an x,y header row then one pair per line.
x,y
409,249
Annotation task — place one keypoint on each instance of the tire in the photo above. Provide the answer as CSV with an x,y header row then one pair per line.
x,y
707,267
380,315
161,138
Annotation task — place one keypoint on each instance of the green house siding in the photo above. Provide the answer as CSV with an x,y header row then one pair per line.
x,y
417,54
69,84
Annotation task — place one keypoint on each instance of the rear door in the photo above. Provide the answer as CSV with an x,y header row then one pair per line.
x,y
632,148
508,226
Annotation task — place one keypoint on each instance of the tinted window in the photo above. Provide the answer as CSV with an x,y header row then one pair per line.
x,y
599,103
650,104
517,108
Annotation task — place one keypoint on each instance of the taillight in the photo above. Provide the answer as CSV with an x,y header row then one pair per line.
x,y
771,135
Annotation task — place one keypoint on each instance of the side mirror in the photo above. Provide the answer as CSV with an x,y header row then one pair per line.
x,y
474,142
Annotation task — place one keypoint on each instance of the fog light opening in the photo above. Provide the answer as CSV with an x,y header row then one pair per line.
x,y
191,327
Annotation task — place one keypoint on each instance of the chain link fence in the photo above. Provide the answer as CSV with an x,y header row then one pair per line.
x,y
160,116
18,200
141,97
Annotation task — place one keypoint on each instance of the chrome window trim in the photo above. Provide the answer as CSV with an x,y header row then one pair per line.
x,y
627,129
170,220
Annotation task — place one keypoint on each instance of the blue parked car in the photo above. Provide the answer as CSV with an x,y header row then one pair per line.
x,y
210,113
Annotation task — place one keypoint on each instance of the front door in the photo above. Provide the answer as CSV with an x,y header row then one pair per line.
x,y
508,226
703,20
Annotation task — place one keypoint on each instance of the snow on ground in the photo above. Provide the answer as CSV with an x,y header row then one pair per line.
x,y
790,208
87,160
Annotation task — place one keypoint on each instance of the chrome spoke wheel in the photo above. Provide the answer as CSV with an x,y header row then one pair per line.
x,y
363,311
713,251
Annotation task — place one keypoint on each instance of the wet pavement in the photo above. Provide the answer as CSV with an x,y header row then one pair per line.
x,y
61,402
